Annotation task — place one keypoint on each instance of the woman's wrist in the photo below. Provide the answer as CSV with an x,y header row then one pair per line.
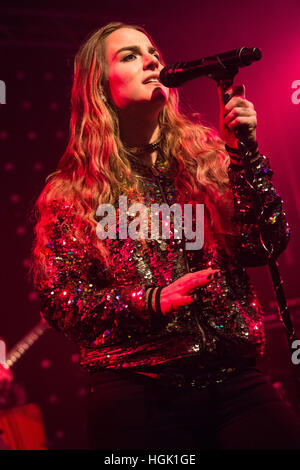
x,y
252,148
237,158
153,301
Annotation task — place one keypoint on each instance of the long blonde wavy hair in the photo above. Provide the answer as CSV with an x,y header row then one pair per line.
x,y
96,166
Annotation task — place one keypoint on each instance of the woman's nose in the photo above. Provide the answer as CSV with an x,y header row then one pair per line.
x,y
151,61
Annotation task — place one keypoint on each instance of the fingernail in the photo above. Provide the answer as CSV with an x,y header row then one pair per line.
x,y
239,90
217,275
226,98
214,275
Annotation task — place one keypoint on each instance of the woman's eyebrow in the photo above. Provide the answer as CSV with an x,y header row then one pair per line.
x,y
137,49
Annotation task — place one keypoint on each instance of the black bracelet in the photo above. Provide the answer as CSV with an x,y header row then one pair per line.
x,y
235,160
252,147
149,303
157,302
231,150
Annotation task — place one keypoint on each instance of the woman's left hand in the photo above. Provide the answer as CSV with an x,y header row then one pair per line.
x,y
238,113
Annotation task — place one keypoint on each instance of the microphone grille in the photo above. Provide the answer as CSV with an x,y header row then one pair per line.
x,y
249,55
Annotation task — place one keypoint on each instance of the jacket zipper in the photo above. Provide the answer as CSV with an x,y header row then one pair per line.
x,y
157,180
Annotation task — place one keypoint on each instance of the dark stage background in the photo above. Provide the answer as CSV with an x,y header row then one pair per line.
x,y
38,43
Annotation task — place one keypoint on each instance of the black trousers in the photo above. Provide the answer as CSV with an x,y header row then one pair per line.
x,y
244,412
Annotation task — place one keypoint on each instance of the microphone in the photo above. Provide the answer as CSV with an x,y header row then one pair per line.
x,y
216,66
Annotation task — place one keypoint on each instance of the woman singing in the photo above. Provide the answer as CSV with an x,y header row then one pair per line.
x,y
169,334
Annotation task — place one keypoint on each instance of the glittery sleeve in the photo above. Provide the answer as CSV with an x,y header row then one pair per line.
x,y
77,295
275,229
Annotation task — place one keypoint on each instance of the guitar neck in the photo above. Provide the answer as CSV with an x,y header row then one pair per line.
x,y
22,346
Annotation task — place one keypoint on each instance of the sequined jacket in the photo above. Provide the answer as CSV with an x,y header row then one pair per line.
x,y
104,309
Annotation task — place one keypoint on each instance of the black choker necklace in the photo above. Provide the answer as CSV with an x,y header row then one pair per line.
x,y
146,148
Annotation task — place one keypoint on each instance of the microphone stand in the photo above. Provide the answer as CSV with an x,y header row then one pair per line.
x,y
225,80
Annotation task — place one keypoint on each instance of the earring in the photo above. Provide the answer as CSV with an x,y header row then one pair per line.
x,y
103,97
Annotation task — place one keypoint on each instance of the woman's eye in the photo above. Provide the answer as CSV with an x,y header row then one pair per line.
x,y
127,58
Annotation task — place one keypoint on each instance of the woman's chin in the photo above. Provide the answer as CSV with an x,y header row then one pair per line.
x,y
160,93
